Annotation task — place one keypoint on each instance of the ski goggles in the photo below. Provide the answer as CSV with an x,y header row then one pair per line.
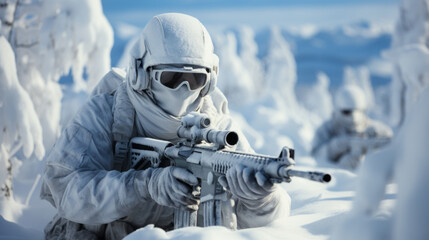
x,y
349,112
175,77
346,112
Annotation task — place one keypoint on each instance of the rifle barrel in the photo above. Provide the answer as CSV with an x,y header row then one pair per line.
x,y
314,176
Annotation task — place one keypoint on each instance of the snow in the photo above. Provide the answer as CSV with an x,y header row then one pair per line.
x,y
410,216
279,79
404,161
19,121
9,230
410,35
318,95
20,128
314,213
41,41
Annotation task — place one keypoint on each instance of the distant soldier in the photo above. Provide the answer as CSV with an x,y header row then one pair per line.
x,y
350,134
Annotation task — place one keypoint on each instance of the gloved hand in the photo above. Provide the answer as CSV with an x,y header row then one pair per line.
x,y
338,146
340,142
173,187
371,132
350,161
252,188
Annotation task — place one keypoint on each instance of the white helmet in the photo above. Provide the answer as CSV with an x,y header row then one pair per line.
x,y
350,97
172,39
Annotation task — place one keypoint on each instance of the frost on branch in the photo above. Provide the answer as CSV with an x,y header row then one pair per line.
x,y
404,160
410,55
45,40
318,99
19,124
18,120
50,39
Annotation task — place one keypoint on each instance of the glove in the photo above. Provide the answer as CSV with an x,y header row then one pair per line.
x,y
371,132
350,161
340,142
252,188
337,147
172,187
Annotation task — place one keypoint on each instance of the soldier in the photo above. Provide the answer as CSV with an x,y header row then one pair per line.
x,y
350,134
172,72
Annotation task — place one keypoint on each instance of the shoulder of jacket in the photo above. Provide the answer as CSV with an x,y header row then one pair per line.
x,y
101,102
219,101
110,81
96,112
119,72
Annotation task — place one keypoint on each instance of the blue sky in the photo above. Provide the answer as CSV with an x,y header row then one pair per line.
x,y
114,5
255,13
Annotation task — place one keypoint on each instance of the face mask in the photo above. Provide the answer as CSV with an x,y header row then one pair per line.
x,y
177,102
352,121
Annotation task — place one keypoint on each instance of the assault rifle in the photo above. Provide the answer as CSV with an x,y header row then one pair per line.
x,y
204,153
363,145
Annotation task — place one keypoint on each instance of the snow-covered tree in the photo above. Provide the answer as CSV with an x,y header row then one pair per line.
x,y
234,79
317,98
19,124
267,98
48,38
248,52
404,160
410,42
280,68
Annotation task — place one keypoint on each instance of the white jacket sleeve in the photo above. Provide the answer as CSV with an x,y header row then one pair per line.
x,y
377,129
78,178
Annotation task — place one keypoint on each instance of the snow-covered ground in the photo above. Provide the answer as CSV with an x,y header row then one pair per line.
x,y
279,72
317,210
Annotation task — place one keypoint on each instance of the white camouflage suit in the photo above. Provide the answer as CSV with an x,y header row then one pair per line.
x,y
95,200
350,134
